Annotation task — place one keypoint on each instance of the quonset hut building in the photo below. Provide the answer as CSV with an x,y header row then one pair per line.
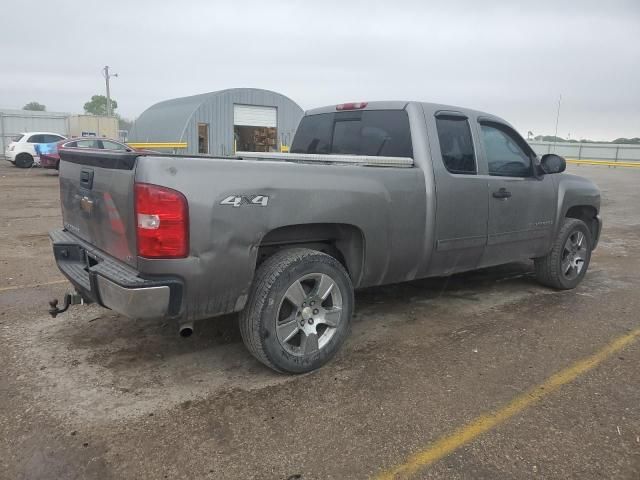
x,y
221,123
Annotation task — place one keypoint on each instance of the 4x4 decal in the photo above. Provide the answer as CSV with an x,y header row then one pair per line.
x,y
239,200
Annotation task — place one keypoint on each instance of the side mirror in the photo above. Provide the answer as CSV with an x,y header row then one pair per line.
x,y
552,163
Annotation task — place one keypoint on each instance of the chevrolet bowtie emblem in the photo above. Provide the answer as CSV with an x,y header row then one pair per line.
x,y
86,204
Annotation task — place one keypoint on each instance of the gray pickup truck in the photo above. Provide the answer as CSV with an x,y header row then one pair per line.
x,y
371,194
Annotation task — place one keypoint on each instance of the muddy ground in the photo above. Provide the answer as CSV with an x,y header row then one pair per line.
x,y
96,396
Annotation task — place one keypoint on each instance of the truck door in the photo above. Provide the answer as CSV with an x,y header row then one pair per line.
x,y
461,196
521,205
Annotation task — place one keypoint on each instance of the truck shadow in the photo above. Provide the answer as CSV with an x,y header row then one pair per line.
x,y
116,341
465,286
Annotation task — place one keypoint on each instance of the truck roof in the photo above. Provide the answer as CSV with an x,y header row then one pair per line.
x,y
402,104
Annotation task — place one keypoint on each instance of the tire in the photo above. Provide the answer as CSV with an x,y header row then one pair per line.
x,y
295,293
23,160
566,264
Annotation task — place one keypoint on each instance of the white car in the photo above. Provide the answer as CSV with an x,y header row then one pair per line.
x,y
22,149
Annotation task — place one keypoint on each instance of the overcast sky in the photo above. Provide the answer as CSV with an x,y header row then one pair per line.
x,y
509,58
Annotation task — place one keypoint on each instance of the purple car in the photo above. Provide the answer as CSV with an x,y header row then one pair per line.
x,y
51,159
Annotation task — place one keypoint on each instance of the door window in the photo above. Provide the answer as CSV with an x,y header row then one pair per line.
x,y
507,153
456,144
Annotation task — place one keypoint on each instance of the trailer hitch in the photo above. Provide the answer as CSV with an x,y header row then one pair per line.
x,y
73,298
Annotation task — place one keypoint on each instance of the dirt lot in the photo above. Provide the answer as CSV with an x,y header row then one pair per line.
x,y
93,395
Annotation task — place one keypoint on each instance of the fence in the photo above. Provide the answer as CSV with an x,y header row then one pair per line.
x,y
611,152
13,122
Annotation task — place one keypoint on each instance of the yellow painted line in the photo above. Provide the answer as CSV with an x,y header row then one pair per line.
x,y
467,433
158,144
33,285
603,162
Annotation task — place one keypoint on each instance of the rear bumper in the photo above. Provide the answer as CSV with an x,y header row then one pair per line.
x,y
111,283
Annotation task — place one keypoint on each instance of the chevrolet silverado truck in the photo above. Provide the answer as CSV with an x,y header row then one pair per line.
x,y
370,194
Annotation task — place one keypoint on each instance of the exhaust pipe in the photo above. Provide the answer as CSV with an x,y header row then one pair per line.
x,y
186,330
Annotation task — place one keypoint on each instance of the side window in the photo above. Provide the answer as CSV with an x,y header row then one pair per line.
x,y
36,139
506,155
112,145
456,144
88,144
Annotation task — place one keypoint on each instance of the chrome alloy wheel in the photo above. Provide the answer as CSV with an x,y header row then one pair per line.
x,y
574,255
309,314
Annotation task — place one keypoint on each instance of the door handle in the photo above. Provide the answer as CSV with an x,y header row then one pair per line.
x,y
86,179
502,193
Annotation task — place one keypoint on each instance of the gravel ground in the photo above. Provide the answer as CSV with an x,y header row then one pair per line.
x,y
94,395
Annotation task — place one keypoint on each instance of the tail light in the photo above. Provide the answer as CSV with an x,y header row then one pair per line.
x,y
162,222
351,106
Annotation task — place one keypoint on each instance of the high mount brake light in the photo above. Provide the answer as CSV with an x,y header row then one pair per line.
x,y
162,222
351,106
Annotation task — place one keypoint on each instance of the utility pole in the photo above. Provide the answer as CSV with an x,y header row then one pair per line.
x,y
555,135
107,76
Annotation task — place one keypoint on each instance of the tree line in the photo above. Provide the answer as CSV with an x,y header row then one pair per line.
x,y
553,138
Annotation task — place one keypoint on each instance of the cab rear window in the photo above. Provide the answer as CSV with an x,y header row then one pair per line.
x,y
369,132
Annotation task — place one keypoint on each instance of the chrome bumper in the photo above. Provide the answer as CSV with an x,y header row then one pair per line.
x,y
138,303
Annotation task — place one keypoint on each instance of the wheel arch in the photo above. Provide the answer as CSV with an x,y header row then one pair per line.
x,y
344,242
589,215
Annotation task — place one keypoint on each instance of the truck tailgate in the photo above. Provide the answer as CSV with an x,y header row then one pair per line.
x,y
97,196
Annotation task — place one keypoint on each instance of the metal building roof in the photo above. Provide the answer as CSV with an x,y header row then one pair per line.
x,y
168,121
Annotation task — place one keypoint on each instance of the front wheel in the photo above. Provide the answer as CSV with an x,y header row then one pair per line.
x,y
299,310
566,265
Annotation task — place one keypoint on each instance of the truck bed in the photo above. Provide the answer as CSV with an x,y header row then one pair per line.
x,y
238,205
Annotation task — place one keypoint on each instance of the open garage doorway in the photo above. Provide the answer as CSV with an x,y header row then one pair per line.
x,y
255,128
203,138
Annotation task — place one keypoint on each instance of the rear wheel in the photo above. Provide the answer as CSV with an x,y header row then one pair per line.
x,y
566,265
23,160
299,310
